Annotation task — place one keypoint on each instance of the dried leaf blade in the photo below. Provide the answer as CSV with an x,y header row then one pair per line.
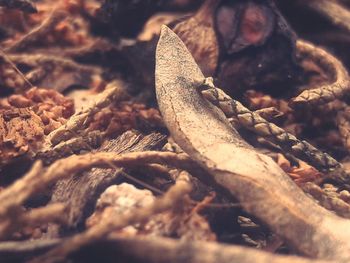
x,y
255,179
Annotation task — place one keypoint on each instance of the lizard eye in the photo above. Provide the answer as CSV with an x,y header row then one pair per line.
x,y
244,24
256,24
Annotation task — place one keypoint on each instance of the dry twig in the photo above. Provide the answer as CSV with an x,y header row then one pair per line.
x,y
161,250
170,200
80,120
41,60
38,179
333,11
35,34
17,219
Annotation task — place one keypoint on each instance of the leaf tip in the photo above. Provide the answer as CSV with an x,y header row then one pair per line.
x,y
164,30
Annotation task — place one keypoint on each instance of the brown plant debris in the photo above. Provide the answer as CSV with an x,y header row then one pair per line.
x,y
302,173
35,34
123,116
332,10
80,120
26,119
21,132
184,223
31,182
80,191
116,144
330,197
147,249
171,200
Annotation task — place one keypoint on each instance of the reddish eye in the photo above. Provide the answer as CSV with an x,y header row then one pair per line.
x,y
244,23
256,25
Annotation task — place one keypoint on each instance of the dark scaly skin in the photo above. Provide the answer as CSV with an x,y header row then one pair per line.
x,y
327,92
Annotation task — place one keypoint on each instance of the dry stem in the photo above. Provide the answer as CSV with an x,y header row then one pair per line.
x,y
37,179
34,217
170,199
79,121
164,250
38,60
33,36
333,11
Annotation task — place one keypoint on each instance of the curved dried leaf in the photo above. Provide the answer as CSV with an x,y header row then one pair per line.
x,y
255,179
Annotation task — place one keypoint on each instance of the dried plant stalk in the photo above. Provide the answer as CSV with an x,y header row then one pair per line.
x,y
261,186
147,249
34,35
35,217
80,120
80,191
205,252
74,145
39,60
171,199
254,122
38,179
333,11
325,93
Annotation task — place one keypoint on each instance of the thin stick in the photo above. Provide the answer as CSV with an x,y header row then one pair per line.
x,y
38,60
14,195
13,65
147,249
51,213
170,199
80,120
35,34
336,13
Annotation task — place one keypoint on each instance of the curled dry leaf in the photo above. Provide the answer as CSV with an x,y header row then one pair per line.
x,y
121,199
264,189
